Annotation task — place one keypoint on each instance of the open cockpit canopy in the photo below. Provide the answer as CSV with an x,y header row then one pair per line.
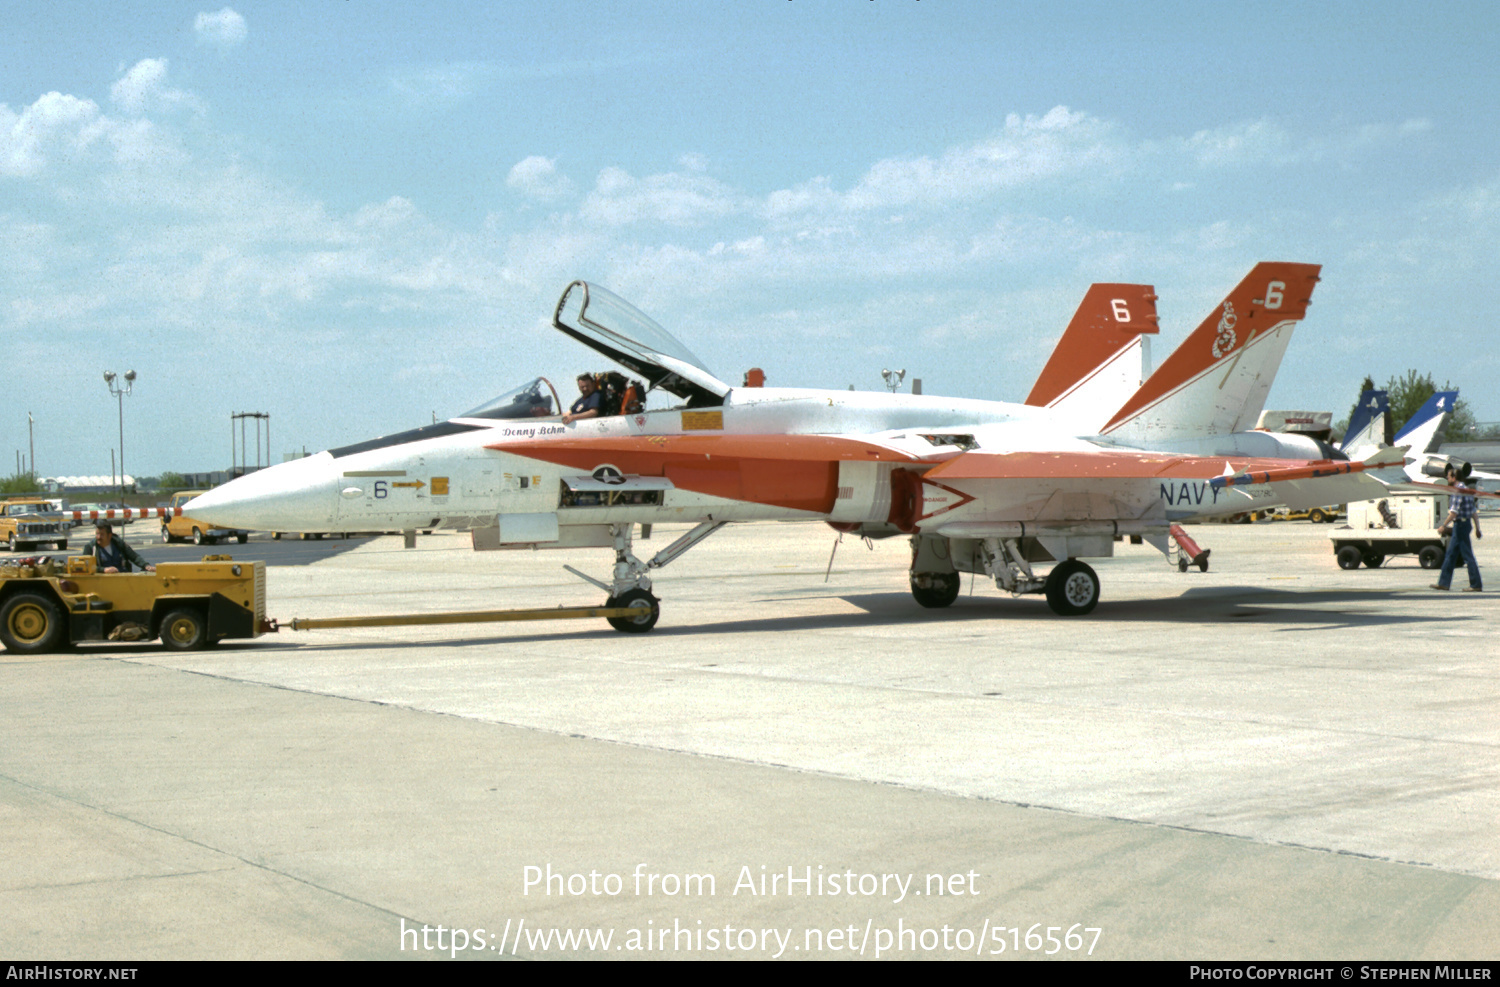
x,y
605,322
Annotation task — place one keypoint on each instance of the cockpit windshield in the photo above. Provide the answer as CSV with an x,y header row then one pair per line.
x,y
605,322
536,399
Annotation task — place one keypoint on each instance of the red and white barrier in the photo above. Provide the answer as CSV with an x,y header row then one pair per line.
x,y
123,514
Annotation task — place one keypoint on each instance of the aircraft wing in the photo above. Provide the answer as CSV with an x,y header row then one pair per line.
x,y
1131,490
1309,485
1415,487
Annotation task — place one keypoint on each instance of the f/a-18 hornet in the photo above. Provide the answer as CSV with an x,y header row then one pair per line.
x,y
988,487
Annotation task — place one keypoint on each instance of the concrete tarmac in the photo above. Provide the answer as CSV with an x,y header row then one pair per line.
x,y
1273,759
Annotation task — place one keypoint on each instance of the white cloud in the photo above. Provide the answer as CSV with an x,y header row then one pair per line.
x,y
1029,149
223,30
55,125
1256,142
539,178
675,199
62,130
144,89
1266,142
815,196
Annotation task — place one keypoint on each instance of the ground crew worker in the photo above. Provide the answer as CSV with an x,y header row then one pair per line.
x,y
112,554
1462,515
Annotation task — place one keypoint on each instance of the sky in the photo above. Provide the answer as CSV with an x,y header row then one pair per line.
x,y
355,215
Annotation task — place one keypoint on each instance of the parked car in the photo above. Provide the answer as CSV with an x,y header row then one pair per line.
x,y
182,527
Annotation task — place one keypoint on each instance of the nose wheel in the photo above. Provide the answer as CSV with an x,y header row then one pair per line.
x,y
632,598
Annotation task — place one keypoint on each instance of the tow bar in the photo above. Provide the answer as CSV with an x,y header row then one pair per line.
x,y
462,617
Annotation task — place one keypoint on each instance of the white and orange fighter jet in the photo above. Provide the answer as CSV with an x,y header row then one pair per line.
x,y
986,487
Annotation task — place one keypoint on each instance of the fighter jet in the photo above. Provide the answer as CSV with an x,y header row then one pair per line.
x,y
978,486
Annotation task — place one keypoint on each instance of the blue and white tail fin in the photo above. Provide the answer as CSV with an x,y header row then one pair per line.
x,y
1366,431
1420,433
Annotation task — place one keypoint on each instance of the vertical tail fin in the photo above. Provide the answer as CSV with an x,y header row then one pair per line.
x,y
1103,355
1420,432
1217,380
1366,431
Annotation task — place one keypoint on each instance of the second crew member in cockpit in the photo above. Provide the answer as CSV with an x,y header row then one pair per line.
x,y
587,405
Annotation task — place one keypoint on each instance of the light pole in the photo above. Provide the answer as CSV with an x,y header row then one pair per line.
x,y
31,440
893,379
119,392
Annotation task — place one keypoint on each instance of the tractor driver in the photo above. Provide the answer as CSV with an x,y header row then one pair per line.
x,y
112,554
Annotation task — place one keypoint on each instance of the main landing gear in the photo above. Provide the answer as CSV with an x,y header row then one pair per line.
x,y
1071,588
631,586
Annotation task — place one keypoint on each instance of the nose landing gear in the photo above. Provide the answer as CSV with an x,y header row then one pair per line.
x,y
632,582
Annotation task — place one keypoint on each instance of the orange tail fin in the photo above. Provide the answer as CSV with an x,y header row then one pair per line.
x,y
1216,381
1103,355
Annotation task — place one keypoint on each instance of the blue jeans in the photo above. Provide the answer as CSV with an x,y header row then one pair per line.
x,y
1458,545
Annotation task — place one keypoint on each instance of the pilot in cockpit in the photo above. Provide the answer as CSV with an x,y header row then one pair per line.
x,y
587,405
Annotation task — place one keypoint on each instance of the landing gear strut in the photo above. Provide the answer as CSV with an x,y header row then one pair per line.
x,y
632,580
1071,588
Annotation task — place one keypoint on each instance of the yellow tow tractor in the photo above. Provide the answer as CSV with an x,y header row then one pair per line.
x,y
46,607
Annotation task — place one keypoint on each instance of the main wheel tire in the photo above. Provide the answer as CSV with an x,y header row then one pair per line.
x,y
31,624
1349,557
1372,560
1430,557
62,546
1072,589
184,630
941,592
634,625
276,536
242,538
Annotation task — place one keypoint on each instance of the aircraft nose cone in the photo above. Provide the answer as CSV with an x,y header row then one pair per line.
x,y
296,496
